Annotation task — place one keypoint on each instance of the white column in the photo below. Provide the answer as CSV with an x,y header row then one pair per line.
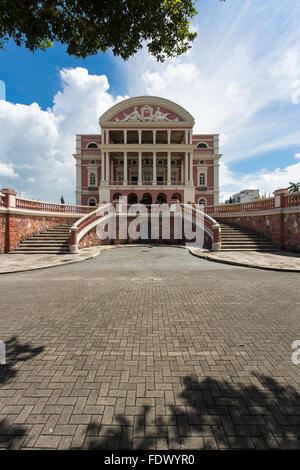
x,y
102,137
186,136
191,167
216,144
154,169
191,136
169,136
107,167
78,182
140,169
125,136
154,136
169,169
186,167
102,167
107,137
216,182
78,144
140,136
125,169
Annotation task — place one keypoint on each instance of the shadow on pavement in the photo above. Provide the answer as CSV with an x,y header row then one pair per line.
x,y
15,352
212,414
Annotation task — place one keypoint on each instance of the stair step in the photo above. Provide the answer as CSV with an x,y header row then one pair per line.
x,y
41,252
249,249
52,241
26,243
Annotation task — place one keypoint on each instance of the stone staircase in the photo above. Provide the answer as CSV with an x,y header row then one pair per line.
x,y
52,241
242,239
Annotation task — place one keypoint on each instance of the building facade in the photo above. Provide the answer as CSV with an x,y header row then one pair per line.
x,y
146,150
247,195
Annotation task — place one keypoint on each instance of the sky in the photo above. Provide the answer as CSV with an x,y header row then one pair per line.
x,y
241,79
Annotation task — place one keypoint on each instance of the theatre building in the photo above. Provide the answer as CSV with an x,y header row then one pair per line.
x,y
146,150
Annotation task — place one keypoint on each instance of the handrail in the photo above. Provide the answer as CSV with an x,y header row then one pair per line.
x,y
78,228
292,199
262,204
214,229
30,204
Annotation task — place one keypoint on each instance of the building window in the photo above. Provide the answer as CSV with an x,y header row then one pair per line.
x,y
202,145
173,177
202,179
121,162
173,162
147,162
92,162
92,145
92,201
92,179
120,177
133,162
202,201
201,162
160,162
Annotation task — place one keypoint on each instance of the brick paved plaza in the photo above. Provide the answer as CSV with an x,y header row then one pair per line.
x,y
149,348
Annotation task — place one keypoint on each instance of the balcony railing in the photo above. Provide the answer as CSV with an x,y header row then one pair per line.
x,y
261,205
147,183
292,200
27,204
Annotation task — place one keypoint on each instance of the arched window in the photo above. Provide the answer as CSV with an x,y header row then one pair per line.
x,y
92,201
202,145
92,162
92,179
202,179
201,162
92,145
202,201
176,196
161,198
132,198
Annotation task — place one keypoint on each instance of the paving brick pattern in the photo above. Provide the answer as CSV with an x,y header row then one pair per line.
x,y
149,348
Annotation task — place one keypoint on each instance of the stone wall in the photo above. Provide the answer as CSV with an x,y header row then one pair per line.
x,y
16,227
2,232
283,229
91,238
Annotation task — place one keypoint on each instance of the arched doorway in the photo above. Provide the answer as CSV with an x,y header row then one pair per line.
x,y
132,198
116,196
92,202
161,198
176,196
146,199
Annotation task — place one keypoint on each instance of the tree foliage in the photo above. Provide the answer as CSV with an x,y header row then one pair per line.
x,y
87,26
294,187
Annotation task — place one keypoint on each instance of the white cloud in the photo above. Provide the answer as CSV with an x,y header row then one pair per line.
x,y
297,155
241,78
40,143
7,170
266,181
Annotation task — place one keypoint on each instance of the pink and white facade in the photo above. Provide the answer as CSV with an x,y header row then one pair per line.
x,y
147,151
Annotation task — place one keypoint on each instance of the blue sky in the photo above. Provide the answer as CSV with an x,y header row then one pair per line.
x,y
241,79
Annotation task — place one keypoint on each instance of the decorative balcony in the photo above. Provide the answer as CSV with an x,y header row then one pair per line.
x,y
146,183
